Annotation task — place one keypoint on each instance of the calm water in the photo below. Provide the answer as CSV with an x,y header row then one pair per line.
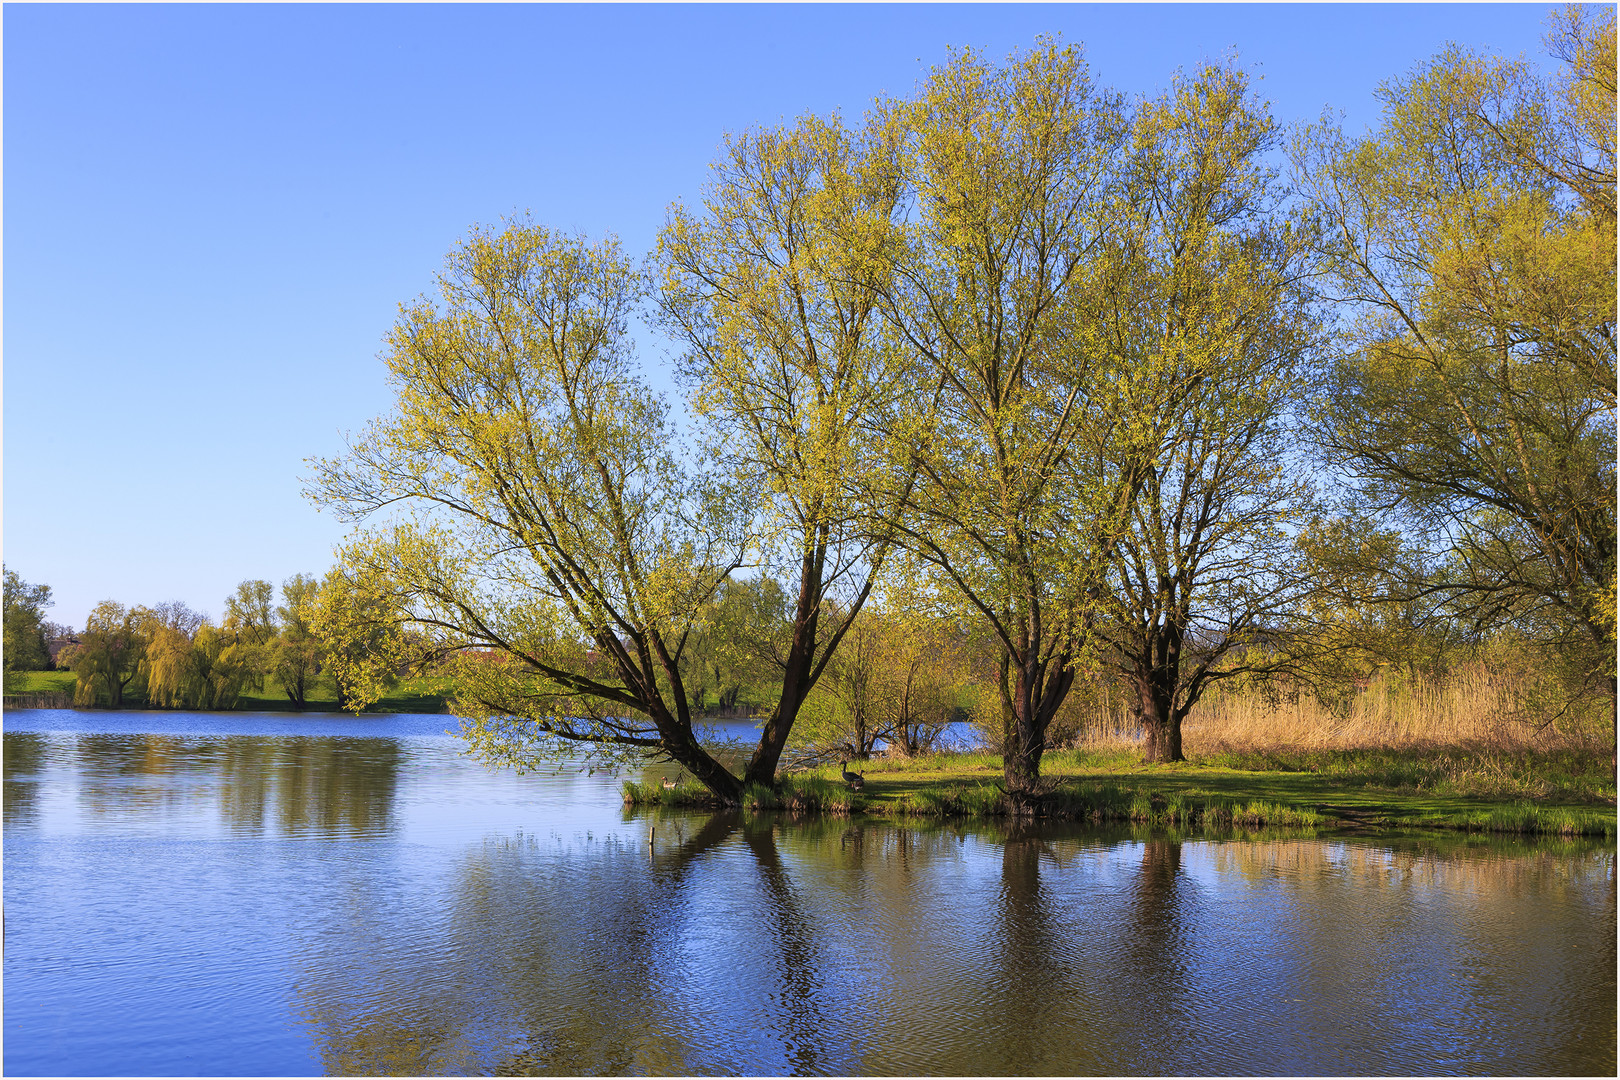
x,y
258,894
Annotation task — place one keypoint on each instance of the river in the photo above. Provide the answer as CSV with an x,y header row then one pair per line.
x,y
270,894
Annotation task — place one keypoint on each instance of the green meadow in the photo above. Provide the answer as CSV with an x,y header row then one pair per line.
x,y
412,695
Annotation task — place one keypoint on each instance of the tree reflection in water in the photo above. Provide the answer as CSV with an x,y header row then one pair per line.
x,y
386,907
25,757
798,1018
746,945
264,785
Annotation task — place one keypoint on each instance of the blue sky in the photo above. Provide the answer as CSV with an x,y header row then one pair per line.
x,y
211,213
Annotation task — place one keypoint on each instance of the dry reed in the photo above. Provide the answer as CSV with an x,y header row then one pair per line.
x,y
1472,706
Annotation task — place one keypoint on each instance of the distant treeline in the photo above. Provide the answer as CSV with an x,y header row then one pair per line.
x,y
169,656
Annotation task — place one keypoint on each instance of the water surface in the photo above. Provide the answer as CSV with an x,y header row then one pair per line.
x,y
265,894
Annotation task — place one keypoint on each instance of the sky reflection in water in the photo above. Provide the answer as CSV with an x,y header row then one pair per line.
x,y
225,896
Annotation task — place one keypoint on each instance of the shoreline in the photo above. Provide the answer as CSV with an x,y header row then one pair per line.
x,y
1184,795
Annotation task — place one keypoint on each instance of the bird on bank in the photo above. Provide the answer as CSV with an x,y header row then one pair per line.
x,y
671,782
849,777
857,783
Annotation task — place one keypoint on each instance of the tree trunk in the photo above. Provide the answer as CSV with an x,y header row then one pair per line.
x,y
705,770
1157,675
902,724
1161,722
796,673
1614,723
768,754
1035,696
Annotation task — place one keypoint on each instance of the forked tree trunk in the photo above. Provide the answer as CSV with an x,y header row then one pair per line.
x,y
1029,705
1157,674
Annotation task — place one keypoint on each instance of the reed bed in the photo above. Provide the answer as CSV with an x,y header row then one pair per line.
x,y
1471,706
1473,734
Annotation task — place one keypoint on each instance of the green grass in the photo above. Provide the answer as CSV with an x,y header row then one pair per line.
x,y
1556,775
1445,788
25,682
796,793
411,695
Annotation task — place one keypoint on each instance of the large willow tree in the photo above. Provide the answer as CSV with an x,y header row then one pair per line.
x,y
772,287
1210,324
1007,171
540,538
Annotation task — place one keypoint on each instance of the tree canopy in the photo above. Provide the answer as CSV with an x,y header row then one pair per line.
x,y
1054,361
1472,236
550,544
1009,175
25,604
772,288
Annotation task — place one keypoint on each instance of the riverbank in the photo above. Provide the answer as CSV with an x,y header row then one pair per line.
x,y
54,690
1456,787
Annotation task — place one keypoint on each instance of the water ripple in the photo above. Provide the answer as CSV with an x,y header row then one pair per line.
x,y
203,901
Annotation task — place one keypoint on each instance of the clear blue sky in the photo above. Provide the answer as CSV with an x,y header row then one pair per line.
x,y
211,213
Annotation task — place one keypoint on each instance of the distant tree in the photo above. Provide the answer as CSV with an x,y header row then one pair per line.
x,y
25,605
844,718
109,654
250,612
55,630
924,672
250,622
742,641
297,649
192,664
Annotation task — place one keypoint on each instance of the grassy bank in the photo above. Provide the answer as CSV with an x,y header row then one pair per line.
x,y
416,695
1473,789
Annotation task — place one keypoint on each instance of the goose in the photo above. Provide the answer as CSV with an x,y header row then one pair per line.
x,y
849,777
857,783
670,782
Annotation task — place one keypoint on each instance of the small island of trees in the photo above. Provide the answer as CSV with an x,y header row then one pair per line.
x,y
1014,403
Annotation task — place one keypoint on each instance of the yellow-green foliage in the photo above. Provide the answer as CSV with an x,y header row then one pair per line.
x,y
24,645
108,656
1470,238
557,547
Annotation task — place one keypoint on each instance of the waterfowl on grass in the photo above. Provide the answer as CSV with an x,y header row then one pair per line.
x,y
671,782
849,777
